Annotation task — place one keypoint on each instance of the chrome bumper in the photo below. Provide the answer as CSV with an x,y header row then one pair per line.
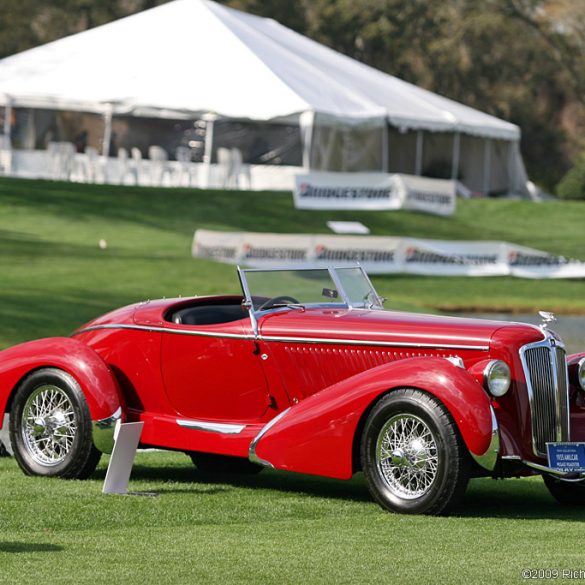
x,y
103,431
568,476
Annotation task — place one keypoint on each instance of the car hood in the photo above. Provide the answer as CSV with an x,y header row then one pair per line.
x,y
390,327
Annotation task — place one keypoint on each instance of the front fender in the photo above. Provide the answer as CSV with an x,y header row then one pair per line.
x,y
85,365
572,364
316,436
577,404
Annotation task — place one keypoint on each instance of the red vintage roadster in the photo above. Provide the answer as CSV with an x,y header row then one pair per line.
x,y
306,372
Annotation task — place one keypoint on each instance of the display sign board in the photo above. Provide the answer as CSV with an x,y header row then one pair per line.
x,y
567,457
348,227
374,191
5,446
384,255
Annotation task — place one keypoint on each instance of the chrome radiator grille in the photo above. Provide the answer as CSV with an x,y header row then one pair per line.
x,y
546,378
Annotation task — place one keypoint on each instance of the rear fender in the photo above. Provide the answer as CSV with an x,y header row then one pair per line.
x,y
85,365
316,436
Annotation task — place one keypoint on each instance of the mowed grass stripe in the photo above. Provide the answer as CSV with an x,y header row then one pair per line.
x,y
277,527
54,276
273,528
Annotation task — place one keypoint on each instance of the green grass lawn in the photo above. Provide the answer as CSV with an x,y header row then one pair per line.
x,y
54,277
276,528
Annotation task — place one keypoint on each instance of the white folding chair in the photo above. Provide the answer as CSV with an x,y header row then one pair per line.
x,y
96,172
183,156
123,168
54,160
5,155
66,160
158,164
224,166
239,169
136,154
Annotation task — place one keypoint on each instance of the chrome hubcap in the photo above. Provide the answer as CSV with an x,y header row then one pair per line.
x,y
406,456
49,425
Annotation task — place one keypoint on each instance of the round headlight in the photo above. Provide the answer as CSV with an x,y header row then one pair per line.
x,y
581,373
497,378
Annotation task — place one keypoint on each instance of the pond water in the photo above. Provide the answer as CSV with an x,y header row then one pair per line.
x,y
570,327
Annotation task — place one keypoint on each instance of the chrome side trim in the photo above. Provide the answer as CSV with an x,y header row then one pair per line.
x,y
103,431
252,450
279,339
199,425
165,330
331,341
489,458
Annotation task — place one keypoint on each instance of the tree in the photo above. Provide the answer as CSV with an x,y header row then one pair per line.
x,y
27,23
572,185
521,60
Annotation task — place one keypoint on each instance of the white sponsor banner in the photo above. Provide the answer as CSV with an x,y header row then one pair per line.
x,y
435,196
530,263
374,191
454,258
384,255
303,251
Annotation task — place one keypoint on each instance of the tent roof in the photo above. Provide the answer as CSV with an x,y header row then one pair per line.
x,y
195,56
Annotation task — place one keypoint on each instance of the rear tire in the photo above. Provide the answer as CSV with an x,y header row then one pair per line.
x,y
564,492
51,427
223,464
412,454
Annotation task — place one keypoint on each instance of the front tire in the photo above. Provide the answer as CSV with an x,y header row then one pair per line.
x,y
51,427
412,454
564,492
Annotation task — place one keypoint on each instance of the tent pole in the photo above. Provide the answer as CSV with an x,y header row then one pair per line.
x,y
7,119
419,153
208,153
107,131
456,155
6,144
487,163
385,146
513,177
307,124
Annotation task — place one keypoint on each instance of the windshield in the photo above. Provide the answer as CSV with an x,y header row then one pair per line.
x,y
358,288
345,287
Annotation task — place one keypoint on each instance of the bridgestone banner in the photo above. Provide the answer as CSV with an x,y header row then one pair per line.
x,y
383,255
374,191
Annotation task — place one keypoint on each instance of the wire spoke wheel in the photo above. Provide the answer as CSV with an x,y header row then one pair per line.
x,y
49,425
412,455
51,429
406,455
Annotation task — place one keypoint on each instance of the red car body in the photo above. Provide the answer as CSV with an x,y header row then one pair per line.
x,y
292,388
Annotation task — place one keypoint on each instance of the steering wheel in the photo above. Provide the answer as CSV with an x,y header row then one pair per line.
x,y
283,299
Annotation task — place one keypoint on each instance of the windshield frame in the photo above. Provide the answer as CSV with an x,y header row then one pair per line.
x,y
345,301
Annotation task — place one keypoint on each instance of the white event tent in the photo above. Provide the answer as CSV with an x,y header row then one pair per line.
x,y
206,76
